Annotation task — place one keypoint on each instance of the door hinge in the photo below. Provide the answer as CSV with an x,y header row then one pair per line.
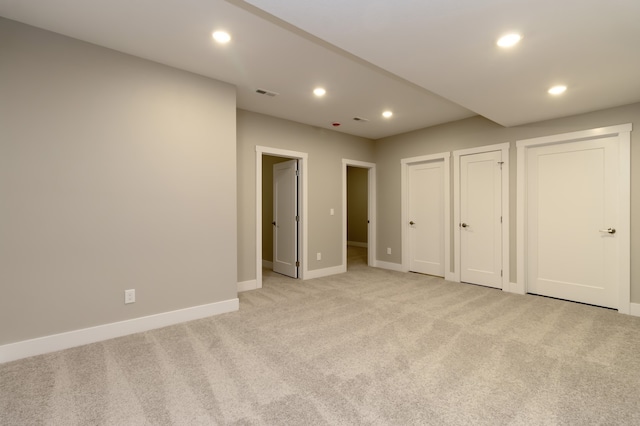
x,y
500,272
500,219
297,218
501,163
297,264
297,173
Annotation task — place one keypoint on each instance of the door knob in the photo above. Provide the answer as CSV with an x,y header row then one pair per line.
x,y
412,223
273,223
464,225
609,230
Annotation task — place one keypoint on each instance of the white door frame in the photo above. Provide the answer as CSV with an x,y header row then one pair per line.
x,y
504,147
302,236
404,194
623,133
371,208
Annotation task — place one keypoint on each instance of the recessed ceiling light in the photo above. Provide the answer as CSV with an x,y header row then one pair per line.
x,y
221,37
319,91
387,114
557,90
509,40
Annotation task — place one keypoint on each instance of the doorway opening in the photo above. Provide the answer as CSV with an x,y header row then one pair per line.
x,y
357,215
358,212
280,215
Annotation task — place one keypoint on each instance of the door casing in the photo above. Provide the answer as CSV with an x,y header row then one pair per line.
x,y
303,158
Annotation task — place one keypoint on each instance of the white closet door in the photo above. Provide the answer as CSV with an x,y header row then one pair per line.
x,y
572,208
480,219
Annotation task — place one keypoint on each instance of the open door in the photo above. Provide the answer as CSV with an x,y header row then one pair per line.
x,y
285,218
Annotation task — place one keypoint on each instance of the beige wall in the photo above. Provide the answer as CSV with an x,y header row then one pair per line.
x,y
115,173
357,204
326,149
118,173
477,131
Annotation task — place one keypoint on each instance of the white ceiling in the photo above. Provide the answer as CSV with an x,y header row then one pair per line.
x,y
430,62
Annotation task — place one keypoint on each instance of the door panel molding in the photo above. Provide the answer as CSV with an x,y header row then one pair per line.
x,y
303,158
623,134
504,148
405,163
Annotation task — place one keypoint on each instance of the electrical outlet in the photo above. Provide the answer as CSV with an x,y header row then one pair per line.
x,y
331,212
319,256
388,250
129,296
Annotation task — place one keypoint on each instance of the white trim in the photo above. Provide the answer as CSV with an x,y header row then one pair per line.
x,y
504,147
404,203
371,209
325,272
624,167
247,285
634,309
481,149
514,288
623,132
357,244
390,266
302,167
521,251
267,264
57,342
574,136
450,276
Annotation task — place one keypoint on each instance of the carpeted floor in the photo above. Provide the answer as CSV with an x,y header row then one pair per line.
x,y
367,347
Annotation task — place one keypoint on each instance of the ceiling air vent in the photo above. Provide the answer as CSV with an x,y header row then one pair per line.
x,y
360,119
266,92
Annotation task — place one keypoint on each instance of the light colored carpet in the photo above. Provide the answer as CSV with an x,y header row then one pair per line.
x,y
366,347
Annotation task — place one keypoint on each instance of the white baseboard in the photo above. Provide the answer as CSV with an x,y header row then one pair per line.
x,y
634,309
514,288
390,266
325,272
267,264
450,276
247,285
71,339
357,244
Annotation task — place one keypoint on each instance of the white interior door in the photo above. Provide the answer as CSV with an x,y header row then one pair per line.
x,y
572,210
480,219
426,218
285,218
